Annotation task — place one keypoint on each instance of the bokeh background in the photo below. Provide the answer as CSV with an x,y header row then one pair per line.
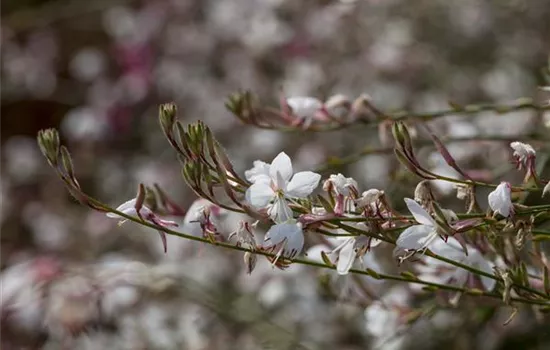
x,y
98,69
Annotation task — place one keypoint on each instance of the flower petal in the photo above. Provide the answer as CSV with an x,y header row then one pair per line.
x,y
303,184
259,195
290,232
450,249
280,211
419,213
414,237
500,201
259,169
295,243
478,261
304,106
346,257
127,207
281,164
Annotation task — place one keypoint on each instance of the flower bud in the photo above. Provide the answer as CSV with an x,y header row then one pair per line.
x,y
423,193
250,261
167,117
48,141
338,105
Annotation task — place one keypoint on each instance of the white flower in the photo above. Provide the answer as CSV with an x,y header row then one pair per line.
x,y
522,151
271,190
286,238
500,200
546,189
369,198
340,184
441,272
420,236
260,168
304,107
384,319
351,248
129,208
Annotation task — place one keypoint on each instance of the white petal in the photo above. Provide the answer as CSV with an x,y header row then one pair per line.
x,y
279,211
478,261
346,257
125,207
414,237
303,184
295,243
259,195
290,232
450,249
500,200
260,169
419,213
304,106
281,164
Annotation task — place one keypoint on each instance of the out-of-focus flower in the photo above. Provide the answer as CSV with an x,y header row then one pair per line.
x,y
287,239
129,208
271,191
523,152
384,318
304,107
22,292
85,123
546,189
500,200
418,237
72,305
441,272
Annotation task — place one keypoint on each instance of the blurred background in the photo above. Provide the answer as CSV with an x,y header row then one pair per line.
x,y
98,69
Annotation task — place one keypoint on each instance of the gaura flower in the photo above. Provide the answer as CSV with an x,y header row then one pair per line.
x,y
341,185
500,200
441,272
369,198
276,183
259,168
420,236
350,249
345,189
304,106
385,318
129,208
286,239
523,153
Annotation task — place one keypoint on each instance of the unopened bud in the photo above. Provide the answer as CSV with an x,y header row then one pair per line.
x,y
338,105
249,261
48,141
423,193
508,283
167,117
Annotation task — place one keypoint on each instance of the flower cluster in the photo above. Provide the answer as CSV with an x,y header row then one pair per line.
x,y
351,231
